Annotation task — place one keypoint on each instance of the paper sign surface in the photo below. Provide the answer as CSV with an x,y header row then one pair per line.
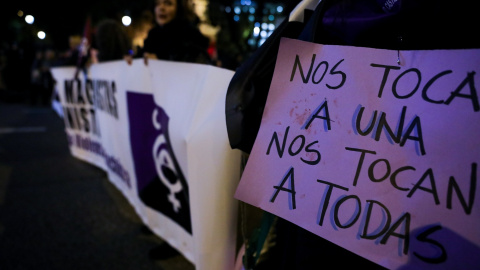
x,y
378,157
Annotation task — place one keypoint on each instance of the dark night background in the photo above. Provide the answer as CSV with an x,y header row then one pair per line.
x,y
61,19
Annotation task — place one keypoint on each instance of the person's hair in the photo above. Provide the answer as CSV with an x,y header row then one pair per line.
x,y
181,10
111,40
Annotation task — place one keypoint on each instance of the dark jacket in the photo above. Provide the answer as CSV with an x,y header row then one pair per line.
x,y
384,24
178,40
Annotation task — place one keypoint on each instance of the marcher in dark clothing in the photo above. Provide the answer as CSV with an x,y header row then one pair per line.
x,y
42,81
177,40
175,37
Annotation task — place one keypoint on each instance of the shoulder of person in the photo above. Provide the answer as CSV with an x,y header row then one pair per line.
x,y
186,25
154,29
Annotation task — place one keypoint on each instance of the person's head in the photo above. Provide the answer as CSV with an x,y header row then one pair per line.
x,y
74,41
111,40
166,11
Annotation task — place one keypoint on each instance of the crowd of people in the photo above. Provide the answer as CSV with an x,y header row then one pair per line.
x,y
171,32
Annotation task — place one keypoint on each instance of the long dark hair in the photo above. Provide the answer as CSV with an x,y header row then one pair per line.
x,y
184,12
111,40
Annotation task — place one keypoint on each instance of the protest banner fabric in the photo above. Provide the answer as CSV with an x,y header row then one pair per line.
x,y
113,120
196,105
374,150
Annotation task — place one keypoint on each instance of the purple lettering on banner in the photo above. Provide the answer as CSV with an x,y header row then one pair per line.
x,y
160,181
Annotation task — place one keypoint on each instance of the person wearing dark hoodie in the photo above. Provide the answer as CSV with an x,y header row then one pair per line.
x,y
381,24
175,37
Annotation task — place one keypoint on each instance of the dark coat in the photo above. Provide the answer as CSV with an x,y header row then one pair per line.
x,y
178,40
384,24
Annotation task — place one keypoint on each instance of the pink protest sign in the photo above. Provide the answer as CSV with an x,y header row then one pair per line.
x,y
376,156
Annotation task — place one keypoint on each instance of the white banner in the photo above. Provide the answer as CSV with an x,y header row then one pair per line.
x,y
159,132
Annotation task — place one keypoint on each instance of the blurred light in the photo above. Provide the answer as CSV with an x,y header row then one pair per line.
x,y
228,9
279,9
41,35
257,24
245,9
126,20
271,17
252,10
263,34
251,42
256,31
248,2
261,42
20,13
237,10
251,18
264,25
29,19
271,27
236,18
242,2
